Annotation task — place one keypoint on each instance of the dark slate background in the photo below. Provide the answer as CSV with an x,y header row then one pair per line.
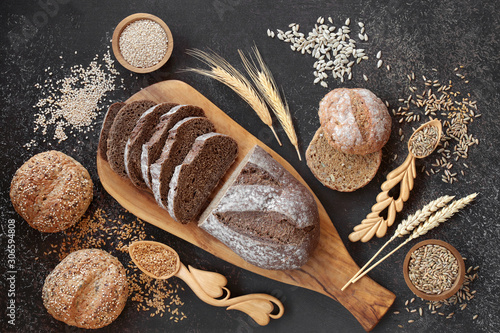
x,y
413,36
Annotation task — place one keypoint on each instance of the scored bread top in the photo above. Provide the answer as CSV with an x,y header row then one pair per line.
x,y
355,121
122,126
337,170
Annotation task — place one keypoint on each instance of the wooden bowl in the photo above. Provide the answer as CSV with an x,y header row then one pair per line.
x,y
116,38
458,281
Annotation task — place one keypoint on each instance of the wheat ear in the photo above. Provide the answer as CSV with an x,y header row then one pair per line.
x,y
265,83
433,221
224,72
407,226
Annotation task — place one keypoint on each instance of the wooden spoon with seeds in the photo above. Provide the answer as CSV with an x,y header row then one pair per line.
x,y
421,144
160,261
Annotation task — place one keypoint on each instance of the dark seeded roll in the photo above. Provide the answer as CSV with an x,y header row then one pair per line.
x,y
140,135
122,126
106,126
179,142
194,180
51,191
151,150
88,289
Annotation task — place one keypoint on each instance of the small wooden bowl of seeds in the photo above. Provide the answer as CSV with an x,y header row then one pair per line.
x,y
434,270
142,43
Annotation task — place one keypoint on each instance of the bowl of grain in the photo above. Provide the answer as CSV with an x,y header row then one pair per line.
x,y
142,43
434,270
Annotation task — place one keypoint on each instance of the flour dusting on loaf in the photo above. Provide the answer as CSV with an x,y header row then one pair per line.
x,y
264,214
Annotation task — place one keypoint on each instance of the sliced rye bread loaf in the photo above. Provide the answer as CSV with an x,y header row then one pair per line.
x,y
337,170
140,135
122,126
106,126
179,142
194,180
264,214
152,149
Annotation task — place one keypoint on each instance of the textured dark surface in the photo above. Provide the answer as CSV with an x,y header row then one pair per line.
x,y
412,35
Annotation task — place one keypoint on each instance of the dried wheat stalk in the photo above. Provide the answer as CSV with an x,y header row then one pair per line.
x,y
264,81
225,73
431,222
407,226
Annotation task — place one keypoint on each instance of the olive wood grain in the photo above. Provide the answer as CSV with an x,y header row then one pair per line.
x,y
328,269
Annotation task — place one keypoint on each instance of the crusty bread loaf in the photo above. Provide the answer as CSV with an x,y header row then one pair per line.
x,y
337,170
88,289
194,180
151,150
51,191
355,121
106,126
264,214
179,142
122,126
140,135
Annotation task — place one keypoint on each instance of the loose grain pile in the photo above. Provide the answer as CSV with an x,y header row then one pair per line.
x,y
143,43
446,308
333,48
71,104
433,99
98,230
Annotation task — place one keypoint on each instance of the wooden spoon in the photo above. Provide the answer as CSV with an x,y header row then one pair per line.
x,y
405,174
208,286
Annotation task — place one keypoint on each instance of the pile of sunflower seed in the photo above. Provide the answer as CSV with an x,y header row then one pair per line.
x,y
333,48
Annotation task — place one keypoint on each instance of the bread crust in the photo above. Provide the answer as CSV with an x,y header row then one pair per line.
x,y
355,121
51,191
88,289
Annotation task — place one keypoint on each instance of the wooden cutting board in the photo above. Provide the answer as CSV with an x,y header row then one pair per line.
x,y
330,266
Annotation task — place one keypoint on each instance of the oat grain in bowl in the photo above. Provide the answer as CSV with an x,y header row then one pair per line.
x,y
143,43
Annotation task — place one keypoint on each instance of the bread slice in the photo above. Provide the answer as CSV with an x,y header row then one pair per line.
x,y
264,214
337,170
140,135
179,142
152,149
122,126
194,180
106,126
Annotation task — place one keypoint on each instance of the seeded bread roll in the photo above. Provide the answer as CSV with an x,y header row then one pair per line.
x,y
51,191
194,180
122,126
264,214
140,135
179,142
88,289
337,170
355,121
151,150
106,126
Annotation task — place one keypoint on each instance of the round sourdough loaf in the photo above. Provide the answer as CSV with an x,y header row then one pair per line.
x,y
88,289
355,121
51,191
337,170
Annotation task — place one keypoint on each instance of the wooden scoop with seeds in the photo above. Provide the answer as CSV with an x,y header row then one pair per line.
x,y
421,144
160,261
